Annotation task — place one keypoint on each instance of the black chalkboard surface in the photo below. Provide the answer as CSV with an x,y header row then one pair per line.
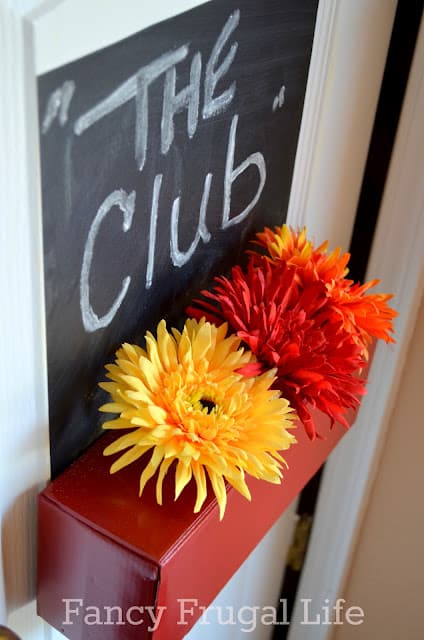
x,y
161,155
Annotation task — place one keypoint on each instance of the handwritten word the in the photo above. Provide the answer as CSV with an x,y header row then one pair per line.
x,y
137,88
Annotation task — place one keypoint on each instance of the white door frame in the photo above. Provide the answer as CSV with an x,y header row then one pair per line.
x,y
397,257
350,46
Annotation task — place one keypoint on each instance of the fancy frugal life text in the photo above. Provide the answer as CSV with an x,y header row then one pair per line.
x,y
246,618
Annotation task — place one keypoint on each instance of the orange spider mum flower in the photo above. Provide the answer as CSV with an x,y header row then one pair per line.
x,y
365,316
292,247
186,402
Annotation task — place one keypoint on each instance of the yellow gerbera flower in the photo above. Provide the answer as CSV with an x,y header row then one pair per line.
x,y
185,400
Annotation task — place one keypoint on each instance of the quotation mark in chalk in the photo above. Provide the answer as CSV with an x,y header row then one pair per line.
x,y
279,100
58,105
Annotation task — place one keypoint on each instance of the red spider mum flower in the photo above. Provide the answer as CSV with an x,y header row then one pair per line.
x,y
365,316
287,326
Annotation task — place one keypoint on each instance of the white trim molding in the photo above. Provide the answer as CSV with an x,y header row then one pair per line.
x,y
346,70
397,258
23,387
318,80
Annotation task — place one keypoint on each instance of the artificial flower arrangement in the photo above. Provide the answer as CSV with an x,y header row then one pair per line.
x,y
264,345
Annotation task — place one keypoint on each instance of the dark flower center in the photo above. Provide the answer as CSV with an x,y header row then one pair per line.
x,y
207,404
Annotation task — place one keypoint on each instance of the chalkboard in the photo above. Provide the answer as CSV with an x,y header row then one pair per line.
x,y
160,156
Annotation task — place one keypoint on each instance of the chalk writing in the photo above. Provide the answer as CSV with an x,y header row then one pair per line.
x,y
174,102
216,105
279,99
179,258
152,231
231,174
137,86
126,203
58,105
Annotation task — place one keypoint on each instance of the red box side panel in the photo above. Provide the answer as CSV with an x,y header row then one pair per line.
x,y
80,572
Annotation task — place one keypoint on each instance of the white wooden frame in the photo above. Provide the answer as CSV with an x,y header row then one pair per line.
x,y
398,258
337,122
